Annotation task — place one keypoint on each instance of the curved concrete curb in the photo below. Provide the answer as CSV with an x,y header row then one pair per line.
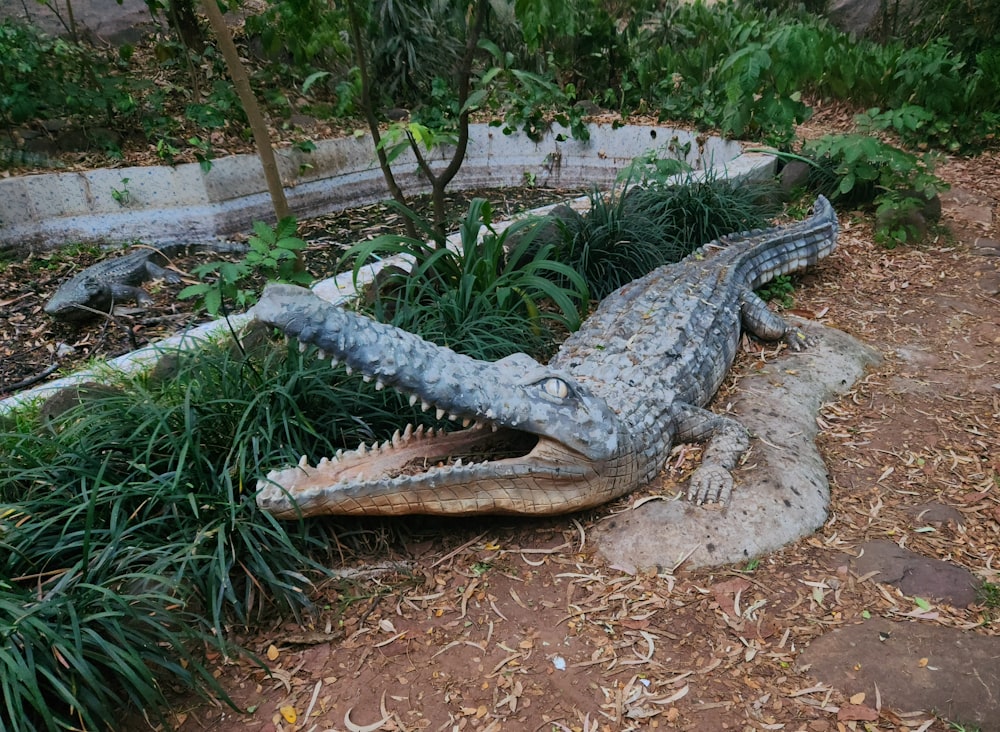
x,y
184,203
783,494
169,204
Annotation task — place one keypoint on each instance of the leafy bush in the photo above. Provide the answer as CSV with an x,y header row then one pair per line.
x,y
859,169
44,77
130,538
612,245
703,207
273,255
657,221
480,300
309,32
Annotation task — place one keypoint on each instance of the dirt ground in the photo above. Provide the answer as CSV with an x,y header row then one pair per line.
x,y
513,625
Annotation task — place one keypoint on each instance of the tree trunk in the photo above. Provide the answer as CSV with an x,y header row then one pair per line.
x,y
440,181
241,81
185,22
367,108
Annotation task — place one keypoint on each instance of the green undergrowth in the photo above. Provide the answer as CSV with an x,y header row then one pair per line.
x,y
131,543
480,299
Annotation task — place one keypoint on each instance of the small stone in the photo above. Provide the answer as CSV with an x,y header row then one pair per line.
x,y
986,247
883,657
936,513
793,176
990,283
915,574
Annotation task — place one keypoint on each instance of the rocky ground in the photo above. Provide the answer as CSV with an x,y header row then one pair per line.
x,y
873,623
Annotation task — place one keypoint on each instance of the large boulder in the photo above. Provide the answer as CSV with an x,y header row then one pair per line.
x,y
853,16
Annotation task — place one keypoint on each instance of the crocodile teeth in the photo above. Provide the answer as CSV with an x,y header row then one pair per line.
x,y
303,346
349,370
321,355
323,462
366,378
339,454
334,362
457,463
439,413
466,422
303,461
424,406
452,417
494,428
396,437
361,450
407,431
420,430
413,399
379,385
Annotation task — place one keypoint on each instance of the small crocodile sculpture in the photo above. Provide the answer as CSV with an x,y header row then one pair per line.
x,y
97,288
594,424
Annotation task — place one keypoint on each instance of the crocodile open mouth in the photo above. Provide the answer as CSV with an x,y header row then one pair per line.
x,y
526,428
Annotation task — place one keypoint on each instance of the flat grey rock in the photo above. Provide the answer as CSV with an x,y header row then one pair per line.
x,y
781,495
914,666
937,514
916,575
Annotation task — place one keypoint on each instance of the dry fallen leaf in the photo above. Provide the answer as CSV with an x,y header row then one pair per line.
x,y
858,698
288,713
272,652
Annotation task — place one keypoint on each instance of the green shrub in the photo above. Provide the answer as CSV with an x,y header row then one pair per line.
x,y
480,300
130,538
858,170
613,244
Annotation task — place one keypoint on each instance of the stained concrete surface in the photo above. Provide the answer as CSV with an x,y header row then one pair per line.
x,y
913,666
781,495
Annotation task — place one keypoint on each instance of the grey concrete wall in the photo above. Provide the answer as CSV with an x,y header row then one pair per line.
x,y
184,204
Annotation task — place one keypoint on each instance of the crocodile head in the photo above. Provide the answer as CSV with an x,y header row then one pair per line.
x,y
534,441
78,298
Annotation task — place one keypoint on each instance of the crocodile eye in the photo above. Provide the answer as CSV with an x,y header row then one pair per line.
x,y
556,388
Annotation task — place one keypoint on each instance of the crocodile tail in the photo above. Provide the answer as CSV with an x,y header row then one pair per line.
x,y
790,248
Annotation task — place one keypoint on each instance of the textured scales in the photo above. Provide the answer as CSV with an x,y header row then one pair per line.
x,y
97,288
594,424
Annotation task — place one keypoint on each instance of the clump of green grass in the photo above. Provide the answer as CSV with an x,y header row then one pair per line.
x,y
655,221
481,300
129,537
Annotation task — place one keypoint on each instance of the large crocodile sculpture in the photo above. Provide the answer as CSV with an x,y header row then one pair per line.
x,y
594,424
97,288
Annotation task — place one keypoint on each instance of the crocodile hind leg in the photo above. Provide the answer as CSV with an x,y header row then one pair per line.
x,y
726,440
766,324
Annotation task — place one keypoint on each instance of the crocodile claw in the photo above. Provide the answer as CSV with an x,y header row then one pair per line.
x,y
796,340
710,484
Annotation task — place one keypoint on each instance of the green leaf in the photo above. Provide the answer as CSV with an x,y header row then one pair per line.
x,y
192,291
312,79
921,603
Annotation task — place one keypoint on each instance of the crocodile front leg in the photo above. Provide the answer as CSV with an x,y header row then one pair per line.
x,y
727,440
766,324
